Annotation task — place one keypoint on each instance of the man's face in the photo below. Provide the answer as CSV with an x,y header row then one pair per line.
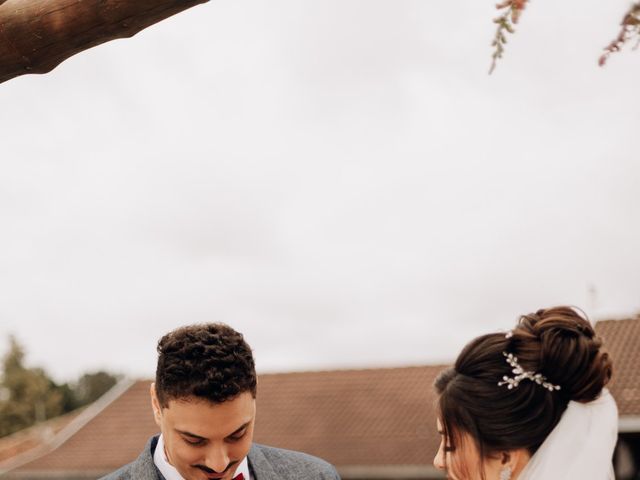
x,y
205,440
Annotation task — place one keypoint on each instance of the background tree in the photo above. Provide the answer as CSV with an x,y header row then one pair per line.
x,y
92,386
29,395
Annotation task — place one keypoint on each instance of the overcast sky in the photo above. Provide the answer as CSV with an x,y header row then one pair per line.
x,y
340,180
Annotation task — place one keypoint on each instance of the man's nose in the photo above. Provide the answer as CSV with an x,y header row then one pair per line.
x,y
218,459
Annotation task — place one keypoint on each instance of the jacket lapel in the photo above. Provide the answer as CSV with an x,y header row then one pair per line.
x,y
260,467
144,468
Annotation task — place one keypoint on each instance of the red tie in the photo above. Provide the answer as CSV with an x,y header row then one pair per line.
x,y
239,477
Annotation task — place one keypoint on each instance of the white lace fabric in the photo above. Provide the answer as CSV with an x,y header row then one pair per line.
x,y
581,446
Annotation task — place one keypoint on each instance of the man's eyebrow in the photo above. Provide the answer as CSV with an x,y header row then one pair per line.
x,y
237,431
193,435
189,434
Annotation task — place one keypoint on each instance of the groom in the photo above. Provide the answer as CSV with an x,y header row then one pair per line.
x,y
204,402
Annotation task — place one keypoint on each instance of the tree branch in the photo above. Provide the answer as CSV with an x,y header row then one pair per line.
x,y
37,35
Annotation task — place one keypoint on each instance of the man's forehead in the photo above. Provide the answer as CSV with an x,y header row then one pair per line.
x,y
184,413
241,401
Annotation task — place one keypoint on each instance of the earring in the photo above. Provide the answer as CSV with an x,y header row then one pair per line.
x,y
505,473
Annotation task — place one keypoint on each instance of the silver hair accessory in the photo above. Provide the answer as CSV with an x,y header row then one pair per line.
x,y
521,374
509,334
505,473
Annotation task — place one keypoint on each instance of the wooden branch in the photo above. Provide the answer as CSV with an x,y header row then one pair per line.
x,y
37,35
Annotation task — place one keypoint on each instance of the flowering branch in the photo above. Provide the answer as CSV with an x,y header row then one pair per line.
x,y
506,21
630,28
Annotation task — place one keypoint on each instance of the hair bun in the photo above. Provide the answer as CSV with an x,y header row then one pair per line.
x,y
569,351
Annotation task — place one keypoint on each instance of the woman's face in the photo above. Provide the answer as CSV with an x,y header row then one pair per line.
x,y
462,461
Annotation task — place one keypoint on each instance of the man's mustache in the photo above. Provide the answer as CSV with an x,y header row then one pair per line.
x,y
212,471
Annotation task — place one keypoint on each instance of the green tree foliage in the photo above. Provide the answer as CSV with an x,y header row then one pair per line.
x,y
92,386
28,395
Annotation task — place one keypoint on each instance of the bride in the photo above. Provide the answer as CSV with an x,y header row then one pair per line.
x,y
529,405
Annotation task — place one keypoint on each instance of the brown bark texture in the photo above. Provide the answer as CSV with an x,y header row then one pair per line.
x,y
37,35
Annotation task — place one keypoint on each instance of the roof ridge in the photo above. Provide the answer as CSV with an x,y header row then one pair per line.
x,y
84,417
621,319
359,369
33,429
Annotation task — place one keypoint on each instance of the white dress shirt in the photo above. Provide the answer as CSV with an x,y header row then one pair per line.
x,y
169,472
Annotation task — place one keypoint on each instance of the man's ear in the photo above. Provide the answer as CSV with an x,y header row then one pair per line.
x,y
155,405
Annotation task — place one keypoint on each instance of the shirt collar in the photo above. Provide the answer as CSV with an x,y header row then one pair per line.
x,y
169,472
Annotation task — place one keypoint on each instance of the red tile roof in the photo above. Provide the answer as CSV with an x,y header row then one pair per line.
x,y
622,339
354,417
32,437
350,417
111,438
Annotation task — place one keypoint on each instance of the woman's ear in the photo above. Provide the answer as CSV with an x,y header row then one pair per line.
x,y
506,467
513,462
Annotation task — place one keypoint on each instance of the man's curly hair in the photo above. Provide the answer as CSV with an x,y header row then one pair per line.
x,y
209,361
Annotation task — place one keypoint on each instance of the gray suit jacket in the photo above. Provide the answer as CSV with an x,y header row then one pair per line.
x,y
265,463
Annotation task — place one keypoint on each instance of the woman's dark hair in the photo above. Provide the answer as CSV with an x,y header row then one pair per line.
x,y
558,343
209,361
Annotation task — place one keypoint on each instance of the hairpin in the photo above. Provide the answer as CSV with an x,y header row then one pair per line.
x,y
521,374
